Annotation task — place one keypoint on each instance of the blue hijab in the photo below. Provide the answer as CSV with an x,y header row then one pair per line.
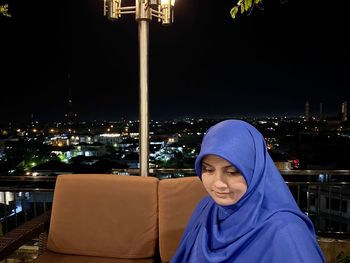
x,y
265,225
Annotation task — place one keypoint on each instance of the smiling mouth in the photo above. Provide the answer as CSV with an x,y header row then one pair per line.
x,y
221,194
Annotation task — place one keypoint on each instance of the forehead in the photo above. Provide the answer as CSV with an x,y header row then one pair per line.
x,y
217,161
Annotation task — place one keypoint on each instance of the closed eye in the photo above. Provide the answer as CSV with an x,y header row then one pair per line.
x,y
207,169
232,172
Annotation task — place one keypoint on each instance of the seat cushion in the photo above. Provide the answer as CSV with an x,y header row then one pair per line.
x,y
177,200
52,257
104,215
332,248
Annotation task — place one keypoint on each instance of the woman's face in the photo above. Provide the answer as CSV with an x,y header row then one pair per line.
x,y
222,181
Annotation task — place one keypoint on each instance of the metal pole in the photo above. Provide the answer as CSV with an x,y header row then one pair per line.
x,y
144,114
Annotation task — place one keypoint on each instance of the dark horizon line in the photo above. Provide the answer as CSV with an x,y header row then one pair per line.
x,y
205,117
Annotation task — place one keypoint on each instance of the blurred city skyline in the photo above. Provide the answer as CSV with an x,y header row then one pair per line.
x,y
204,65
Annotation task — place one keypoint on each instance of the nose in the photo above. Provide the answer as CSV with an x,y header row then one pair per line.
x,y
220,181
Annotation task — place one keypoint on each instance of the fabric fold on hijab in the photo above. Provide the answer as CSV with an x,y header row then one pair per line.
x,y
265,223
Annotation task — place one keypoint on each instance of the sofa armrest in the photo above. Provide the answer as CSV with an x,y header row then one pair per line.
x,y
23,233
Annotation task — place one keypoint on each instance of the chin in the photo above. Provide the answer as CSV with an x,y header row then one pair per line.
x,y
224,202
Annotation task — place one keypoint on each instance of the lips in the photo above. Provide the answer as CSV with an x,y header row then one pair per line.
x,y
221,195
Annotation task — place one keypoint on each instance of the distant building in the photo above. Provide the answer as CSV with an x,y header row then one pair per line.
x,y
3,145
321,112
2,148
58,140
344,111
70,116
84,149
109,139
81,138
307,111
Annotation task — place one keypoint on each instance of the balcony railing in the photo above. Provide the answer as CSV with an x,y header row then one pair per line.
x,y
20,204
324,195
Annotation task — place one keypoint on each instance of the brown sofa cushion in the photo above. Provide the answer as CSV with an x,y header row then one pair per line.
x,y
52,257
177,200
104,215
333,248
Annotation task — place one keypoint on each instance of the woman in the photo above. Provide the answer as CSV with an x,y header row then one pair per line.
x,y
250,215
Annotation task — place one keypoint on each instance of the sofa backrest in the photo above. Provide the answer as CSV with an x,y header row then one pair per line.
x,y
177,200
89,210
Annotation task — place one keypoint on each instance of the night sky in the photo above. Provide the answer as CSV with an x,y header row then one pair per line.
x,y
204,65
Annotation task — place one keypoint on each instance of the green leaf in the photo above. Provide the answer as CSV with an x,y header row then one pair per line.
x,y
4,10
248,4
234,11
242,7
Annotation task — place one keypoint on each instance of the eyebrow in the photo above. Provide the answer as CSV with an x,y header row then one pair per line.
x,y
227,166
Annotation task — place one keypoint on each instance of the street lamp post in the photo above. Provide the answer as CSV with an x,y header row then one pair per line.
x,y
144,10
